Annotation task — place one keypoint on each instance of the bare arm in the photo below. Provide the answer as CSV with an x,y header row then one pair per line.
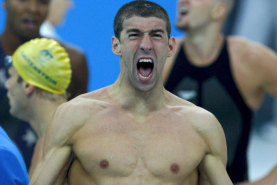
x,y
258,65
268,62
213,166
56,150
48,170
37,155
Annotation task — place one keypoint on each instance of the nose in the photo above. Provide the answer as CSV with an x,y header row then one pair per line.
x,y
146,44
33,6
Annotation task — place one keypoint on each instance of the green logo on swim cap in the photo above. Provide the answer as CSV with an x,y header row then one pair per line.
x,y
44,56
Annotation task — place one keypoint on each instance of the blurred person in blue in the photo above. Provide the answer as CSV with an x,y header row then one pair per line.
x,y
55,18
23,21
226,75
12,167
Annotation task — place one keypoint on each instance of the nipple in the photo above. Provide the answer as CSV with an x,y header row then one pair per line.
x,y
175,168
104,164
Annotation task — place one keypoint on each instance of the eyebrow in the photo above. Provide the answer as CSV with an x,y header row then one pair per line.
x,y
133,30
151,31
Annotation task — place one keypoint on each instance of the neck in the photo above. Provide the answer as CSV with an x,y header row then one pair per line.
x,y
42,112
135,101
202,46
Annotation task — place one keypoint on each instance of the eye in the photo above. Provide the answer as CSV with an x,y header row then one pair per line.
x,y
133,35
157,35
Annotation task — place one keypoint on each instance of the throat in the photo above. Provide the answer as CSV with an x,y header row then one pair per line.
x,y
203,53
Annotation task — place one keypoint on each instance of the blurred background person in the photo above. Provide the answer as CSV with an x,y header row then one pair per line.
x,y
225,75
33,97
257,21
12,166
55,17
23,21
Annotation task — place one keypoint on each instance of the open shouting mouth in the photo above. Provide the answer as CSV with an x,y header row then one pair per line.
x,y
145,69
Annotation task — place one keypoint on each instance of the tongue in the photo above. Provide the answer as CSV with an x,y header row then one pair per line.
x,y
145,71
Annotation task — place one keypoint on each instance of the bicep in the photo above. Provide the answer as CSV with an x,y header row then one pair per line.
x,y
56,149
213,171
213,165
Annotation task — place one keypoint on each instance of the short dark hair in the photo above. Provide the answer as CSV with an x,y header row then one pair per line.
x,y
141,8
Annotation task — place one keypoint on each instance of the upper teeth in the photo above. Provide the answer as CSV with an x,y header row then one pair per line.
x,y
146,60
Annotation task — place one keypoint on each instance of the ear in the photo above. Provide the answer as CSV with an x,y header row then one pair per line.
x,y
116,46
172,46
219,11
28,88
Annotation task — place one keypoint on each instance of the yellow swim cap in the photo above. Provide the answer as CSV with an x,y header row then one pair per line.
x,y
43,63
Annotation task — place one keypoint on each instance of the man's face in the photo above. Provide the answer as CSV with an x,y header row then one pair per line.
x,y
16,94
143,48
24,17
192,14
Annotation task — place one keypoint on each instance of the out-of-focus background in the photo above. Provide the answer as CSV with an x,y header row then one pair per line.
x,y
89,25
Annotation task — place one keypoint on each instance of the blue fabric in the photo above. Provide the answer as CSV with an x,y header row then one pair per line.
x,y
12,167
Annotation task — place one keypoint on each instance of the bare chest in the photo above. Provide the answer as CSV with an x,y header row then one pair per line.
x,y
119,146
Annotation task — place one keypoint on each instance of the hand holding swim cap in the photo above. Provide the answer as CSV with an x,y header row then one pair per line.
x,y
43,63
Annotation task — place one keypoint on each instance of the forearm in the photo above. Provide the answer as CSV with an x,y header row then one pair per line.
x,y
48,170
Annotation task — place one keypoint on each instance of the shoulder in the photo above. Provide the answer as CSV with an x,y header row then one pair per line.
x,y
251,50
254,59
69,117
209,129
77,111
82,104
203,121
194,113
